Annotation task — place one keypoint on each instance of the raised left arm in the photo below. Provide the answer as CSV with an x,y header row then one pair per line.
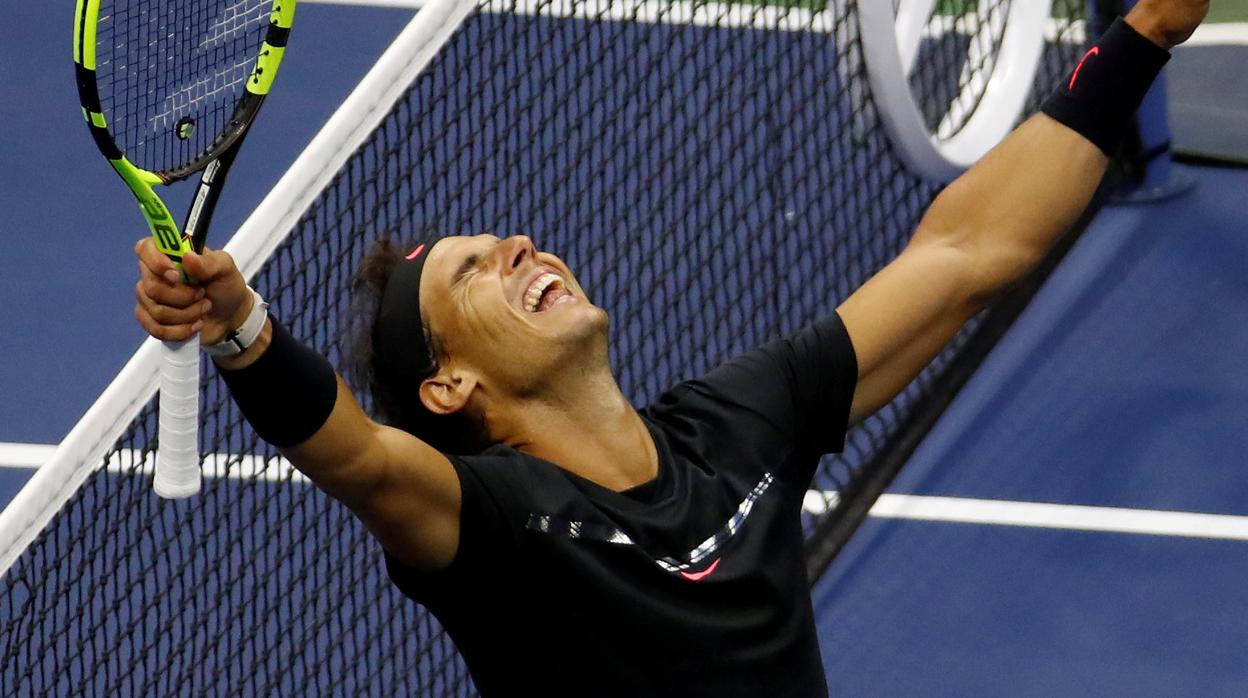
x,y
983,233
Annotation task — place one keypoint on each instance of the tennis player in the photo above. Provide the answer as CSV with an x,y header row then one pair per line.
x,y
575,546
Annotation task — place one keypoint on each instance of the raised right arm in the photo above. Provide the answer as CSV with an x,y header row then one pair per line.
x,y
406,492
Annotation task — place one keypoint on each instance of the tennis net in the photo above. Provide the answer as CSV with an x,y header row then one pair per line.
x,y
716,173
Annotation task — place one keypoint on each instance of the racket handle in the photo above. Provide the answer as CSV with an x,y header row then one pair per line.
x,y
177,455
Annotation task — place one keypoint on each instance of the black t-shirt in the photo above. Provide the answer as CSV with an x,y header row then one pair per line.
x,y
692,584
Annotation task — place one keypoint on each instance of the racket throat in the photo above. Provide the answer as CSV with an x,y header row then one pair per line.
x,y
199,215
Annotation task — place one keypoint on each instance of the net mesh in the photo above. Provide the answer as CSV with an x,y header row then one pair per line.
x,y
961,50
170,73
714,178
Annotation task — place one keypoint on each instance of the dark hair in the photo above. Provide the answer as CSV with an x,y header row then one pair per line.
x,y
397,404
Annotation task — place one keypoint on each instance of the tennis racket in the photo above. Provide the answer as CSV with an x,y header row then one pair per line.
x,y
169,89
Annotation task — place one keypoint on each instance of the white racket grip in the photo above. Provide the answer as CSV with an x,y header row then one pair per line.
x,y
177,454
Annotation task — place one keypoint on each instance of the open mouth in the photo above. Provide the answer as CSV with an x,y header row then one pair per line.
x,y
546,291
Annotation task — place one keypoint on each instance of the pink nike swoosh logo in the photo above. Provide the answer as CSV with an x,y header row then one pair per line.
x,y
1094,51
699,576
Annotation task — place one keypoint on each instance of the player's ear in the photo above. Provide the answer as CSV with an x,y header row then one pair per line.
x,y
447,391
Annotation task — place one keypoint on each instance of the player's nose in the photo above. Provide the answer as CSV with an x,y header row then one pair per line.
x,y
517,252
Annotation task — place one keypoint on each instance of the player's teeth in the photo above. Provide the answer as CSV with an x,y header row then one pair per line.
x,y
533,296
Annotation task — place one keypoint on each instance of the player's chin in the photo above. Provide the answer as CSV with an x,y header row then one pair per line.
x,y
584,314
573,322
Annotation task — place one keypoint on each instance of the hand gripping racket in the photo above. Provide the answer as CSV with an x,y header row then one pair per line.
x,y
169,89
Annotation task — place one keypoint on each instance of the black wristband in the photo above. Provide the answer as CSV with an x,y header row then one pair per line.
x,y
1102,94
287,393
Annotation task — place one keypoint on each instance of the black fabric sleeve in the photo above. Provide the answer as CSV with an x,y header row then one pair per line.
x,y
797,388
488,530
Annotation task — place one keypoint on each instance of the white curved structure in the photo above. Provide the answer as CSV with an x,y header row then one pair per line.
x,y
890,47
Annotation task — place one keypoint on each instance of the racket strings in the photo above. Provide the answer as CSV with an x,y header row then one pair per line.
x,y
959,54
171,73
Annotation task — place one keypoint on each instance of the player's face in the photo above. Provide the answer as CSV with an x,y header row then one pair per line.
x,y
511,312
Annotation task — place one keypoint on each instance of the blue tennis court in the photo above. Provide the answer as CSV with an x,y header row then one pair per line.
x,y
1120,387
1120,397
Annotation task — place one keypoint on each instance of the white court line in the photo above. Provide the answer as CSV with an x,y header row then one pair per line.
x,y
1226,33
18,455
701,13
888,506
411,4
216,465
1229,33
1045,515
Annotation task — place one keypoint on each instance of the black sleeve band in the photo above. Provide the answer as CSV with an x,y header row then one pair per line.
x,y
1101,96
287,393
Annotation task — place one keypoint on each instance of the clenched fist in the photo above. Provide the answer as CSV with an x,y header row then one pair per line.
x,y
168,308
1167,23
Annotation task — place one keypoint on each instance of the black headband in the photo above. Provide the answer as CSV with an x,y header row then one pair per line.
x,y
399,336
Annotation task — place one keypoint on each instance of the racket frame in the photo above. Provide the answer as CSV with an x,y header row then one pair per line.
x,y
891,38
177,460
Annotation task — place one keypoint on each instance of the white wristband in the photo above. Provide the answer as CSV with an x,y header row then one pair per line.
x,y
237,341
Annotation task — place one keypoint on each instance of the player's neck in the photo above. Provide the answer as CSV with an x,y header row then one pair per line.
x,y
590,429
